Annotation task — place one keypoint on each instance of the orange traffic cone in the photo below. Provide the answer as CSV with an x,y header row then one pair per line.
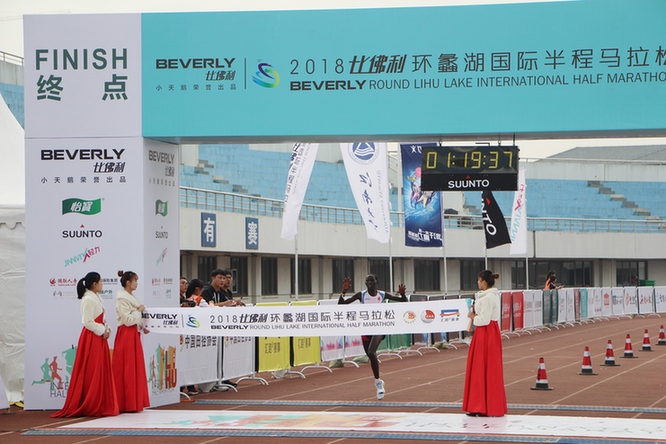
x,y
646,342
610,357
628,350
587,363
662,336
542,380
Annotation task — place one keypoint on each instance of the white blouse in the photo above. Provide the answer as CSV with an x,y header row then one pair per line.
x,y
91,307
487,306
127,312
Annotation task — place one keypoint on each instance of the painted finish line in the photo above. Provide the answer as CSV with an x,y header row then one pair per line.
x,y
312,320
525,425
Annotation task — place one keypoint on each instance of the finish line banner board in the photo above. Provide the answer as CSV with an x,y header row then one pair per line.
x,y
474,69
202,75
315,320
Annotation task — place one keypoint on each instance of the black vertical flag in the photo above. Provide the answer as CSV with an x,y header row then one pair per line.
x,y
493,221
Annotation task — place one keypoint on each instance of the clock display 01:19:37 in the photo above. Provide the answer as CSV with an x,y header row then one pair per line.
x,y
460,159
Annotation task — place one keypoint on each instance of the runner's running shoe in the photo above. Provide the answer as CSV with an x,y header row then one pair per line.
x,y
380,388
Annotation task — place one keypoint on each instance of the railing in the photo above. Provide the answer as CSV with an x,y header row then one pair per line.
x,y
11,58
261,206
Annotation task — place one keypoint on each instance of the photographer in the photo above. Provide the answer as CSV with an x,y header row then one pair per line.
x,y
551,281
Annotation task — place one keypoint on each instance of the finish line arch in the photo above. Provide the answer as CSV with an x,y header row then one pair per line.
x,y
108,97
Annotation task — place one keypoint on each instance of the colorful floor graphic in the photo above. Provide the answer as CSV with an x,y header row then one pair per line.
x,y
512,426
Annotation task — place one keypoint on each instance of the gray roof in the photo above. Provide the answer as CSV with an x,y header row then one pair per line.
x,y
630,152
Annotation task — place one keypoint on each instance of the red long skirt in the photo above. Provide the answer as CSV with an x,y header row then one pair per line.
x,y
91,390
129,370
484,378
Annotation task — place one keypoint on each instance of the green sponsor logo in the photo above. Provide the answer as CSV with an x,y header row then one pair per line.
x,y
161,208
81,206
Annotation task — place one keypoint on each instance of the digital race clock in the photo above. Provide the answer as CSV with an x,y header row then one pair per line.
x,y
469,168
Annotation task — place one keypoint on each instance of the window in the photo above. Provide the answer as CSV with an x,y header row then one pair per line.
x,y
518,275
205,267
304,276
569,273
469,273
238,266
380,268
625,270
576,274
426,275
342,268
269,278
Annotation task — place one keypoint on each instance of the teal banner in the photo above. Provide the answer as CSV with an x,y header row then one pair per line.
x,y
536,69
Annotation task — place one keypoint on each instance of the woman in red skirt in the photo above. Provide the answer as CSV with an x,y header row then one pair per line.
x,y
91,390
129,367
484,379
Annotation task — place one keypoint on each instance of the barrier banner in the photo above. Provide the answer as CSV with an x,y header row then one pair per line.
x,y
238,357
571,305
198,359
315,320
617,296
607,307
518,312
305,349
273,353
598,304
584,304
332,347
561,297
528,321
645,300
353,346
630,300
576,292
591,303
397,342
506,312
538,307
547,307
660,299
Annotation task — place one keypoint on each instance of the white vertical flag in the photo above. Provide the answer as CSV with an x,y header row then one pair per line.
x,y
518,229
365,163
302,160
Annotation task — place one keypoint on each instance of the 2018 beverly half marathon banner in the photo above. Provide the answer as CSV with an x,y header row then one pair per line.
x,y
312,320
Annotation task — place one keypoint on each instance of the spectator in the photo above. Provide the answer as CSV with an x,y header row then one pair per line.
x,y
217,291
551,281
183,288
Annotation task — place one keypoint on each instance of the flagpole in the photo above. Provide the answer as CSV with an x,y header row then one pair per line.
x,y
391,263
296,267
446,274
527,269
441,218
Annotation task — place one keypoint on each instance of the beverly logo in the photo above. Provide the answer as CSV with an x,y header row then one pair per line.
x,y
81,206
161,208
83,256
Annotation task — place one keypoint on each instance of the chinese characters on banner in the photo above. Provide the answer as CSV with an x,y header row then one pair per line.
x,y
365,163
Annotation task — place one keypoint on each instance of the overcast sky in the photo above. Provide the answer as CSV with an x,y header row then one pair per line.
x,y
11,34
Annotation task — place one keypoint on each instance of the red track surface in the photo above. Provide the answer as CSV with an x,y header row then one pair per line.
x,y
435,378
